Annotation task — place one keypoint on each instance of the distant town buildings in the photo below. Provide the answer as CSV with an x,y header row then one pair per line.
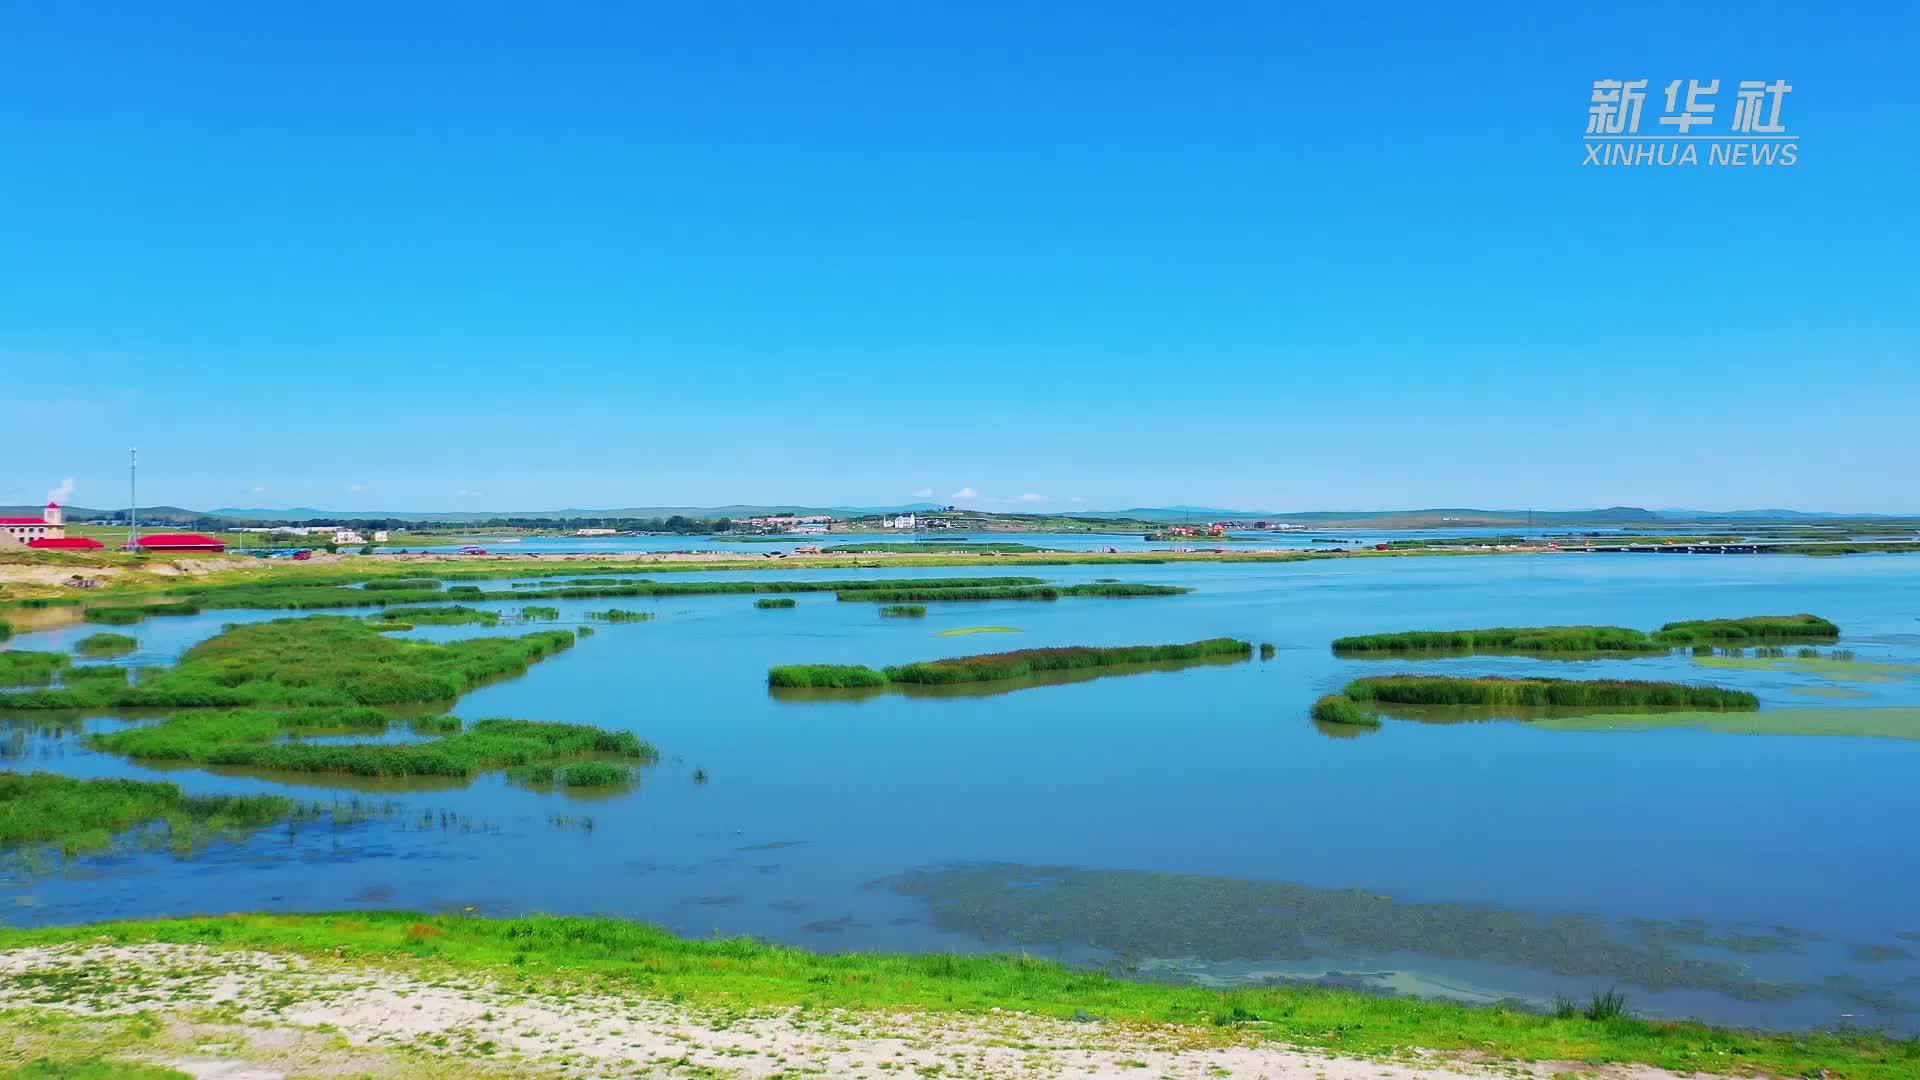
x,y
595,532
792,523
904,521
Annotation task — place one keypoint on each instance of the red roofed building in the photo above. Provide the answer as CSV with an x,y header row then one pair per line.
x,y
162,542
22,531
65,543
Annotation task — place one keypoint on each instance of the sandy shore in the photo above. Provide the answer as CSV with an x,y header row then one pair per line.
x,y
257,1016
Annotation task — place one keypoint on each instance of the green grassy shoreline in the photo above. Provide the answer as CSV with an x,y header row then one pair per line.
x,y
562,955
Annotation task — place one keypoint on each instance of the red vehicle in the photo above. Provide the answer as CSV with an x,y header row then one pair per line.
x,y
471,550
301,556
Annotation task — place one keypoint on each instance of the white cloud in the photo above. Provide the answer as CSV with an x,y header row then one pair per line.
x,y
1075,499
923,493
465,494
355,489
965,493
1031,497
62,493
259,489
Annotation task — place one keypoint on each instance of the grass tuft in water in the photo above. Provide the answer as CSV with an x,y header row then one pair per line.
x,y
767,603
105,644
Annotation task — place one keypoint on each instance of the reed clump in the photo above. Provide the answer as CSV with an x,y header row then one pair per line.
x,y
255,739
319,660
1752,628
619,615
1536,693
403,584
540,612
1341,709
441,615
995,667
1533,639
767,603
83,815
130,614
25,667
904,611
105,644
824,676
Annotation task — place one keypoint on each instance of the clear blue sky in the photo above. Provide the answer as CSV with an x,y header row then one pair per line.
x,y
421,256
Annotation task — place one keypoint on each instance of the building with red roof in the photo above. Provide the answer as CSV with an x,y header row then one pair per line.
x,y
65,543
168,542
23,531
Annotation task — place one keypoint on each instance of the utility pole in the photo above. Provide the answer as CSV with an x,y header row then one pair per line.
x,y
133,498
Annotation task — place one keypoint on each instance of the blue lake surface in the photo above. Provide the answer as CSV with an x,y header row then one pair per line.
x,y
813,808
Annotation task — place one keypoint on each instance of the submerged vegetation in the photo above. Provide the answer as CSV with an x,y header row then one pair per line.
x,y
770,602
995,667
1592,639
743,975
619,615
84,815
1540,693
105,644
317,660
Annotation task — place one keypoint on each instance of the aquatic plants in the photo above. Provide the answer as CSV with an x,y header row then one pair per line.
x,y
251,738
991,667
403,584
904,611
129,614
316,660
619,615
25,667
743,974
769,603
537,611
1537,693
1754,627
105,644
83,815
311,593
824,676
440,615
1535,639
1551,640
900,593
995,667
572,774
1341,709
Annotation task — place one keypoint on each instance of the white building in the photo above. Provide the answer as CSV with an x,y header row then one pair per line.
x,y
904,521
21,531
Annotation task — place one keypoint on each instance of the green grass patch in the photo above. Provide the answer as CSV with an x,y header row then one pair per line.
x,y
540,612
317,660
1802,627
736,975
105,644
1825,667
25,667
257,739
996,667
824,677
903,594
403,585
968,631
1888,722
1541,693
904,611
619,615
83,815
440,615
572,774
768,603
89,1068
1341,709
129,614
1592,640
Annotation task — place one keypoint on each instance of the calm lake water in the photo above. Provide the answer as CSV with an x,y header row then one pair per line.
x,y
1763,880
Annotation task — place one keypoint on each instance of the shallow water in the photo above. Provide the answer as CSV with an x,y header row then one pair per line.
x,y
1792,852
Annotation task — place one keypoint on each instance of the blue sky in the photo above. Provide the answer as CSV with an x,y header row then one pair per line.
x,y
491,256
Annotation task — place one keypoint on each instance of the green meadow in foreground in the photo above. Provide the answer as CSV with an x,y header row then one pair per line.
x,y
602,956
1549,640
1538,693
994,667
257,739
84,815
317,660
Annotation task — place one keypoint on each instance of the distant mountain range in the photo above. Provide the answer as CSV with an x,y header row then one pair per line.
x,y
1438,517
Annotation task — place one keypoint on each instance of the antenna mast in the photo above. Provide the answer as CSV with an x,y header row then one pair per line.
x,y
133,498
